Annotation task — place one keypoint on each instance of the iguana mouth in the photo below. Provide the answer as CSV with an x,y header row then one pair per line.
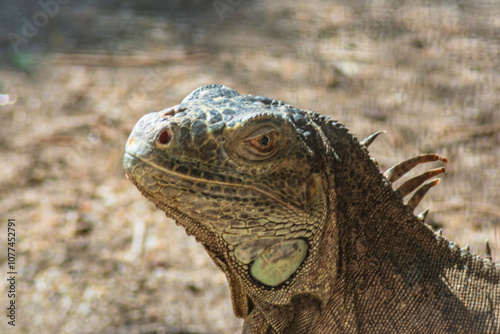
x,y
207,178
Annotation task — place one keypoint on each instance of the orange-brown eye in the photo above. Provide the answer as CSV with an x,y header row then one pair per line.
x,y
263,143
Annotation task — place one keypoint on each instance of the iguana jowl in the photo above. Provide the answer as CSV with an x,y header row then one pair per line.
x,y
310,235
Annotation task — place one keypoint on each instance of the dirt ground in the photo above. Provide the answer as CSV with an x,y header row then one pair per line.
x,y
93,256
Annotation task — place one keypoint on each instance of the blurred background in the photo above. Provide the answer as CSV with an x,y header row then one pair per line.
x,y
93,256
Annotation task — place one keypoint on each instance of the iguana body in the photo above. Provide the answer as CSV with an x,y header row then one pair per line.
x,y
311,236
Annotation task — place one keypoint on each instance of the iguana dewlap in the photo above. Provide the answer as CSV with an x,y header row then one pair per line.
x,y
310,235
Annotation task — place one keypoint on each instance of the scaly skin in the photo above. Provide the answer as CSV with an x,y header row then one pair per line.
x,y
310,235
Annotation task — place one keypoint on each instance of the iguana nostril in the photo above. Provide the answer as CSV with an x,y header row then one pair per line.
x,y
165,137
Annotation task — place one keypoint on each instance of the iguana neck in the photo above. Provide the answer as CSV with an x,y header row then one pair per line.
x,y
393,270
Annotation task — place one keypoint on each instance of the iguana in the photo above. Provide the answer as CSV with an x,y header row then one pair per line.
x,y
310,234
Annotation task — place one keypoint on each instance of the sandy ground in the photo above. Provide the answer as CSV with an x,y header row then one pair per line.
x,y
93,256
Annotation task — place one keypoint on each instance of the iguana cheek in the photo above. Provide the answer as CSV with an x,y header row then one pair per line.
x,y
248,251
277,263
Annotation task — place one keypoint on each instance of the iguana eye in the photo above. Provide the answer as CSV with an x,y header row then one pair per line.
x,y
261,144
264,143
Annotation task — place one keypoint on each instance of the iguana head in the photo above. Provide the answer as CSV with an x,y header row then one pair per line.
x,y
243,175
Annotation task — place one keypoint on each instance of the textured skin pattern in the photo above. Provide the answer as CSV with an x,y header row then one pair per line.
x,y
311,236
